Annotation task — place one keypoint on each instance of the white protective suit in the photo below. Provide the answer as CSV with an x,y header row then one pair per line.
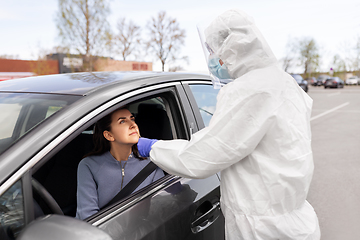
x,y
259,138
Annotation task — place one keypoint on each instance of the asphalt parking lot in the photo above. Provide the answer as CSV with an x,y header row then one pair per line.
x,y
335,189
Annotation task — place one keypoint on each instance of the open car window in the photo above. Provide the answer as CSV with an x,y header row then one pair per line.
x,y
157,116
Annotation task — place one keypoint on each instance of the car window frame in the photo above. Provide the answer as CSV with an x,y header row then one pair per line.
x,y
176,90
60,141
47,148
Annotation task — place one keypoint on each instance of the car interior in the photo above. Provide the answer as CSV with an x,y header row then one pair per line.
x,y
59,175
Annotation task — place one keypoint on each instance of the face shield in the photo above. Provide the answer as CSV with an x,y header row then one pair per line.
x,y
212,37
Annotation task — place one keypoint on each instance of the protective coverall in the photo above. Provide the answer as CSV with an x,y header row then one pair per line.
x,y
259,138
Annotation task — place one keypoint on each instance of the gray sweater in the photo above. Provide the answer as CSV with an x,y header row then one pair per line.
x,y
100,179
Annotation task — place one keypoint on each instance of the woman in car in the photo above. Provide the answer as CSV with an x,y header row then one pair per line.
x,y
111,165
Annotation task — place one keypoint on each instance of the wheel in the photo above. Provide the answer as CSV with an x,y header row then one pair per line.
x,y
46,197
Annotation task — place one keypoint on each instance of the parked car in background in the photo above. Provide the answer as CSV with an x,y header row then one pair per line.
x,y
322,78
46,128
334,82
354,80
302,83
313,81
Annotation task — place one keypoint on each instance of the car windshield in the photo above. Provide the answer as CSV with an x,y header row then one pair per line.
x,y
21,112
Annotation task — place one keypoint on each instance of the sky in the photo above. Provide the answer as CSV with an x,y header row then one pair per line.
x,y
28,26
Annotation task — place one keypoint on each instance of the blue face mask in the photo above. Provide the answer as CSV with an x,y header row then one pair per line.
x,y
217,69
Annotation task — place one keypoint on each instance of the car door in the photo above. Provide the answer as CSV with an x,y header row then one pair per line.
x,y
170,208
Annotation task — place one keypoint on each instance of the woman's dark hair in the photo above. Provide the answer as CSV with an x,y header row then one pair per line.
x,y
101,144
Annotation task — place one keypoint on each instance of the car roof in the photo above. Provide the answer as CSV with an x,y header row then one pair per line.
x,y
86,82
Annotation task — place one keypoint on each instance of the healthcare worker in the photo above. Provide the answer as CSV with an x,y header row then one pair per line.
x,y
259,138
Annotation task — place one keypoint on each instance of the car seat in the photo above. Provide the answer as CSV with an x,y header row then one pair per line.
x,y
153,122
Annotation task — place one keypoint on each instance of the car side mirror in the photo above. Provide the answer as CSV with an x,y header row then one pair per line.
x,y
57,227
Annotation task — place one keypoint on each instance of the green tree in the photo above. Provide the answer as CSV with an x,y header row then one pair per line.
x,y
309,55
83,27
166,38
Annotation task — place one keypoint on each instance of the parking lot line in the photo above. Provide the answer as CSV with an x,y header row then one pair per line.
x,y
329,111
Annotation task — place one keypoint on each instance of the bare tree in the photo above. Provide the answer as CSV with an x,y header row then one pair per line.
x,y
339,64
127,41
344,55
176,68
42,66
309,54
356,61
83,27
60,49
166,38
290,55
7,56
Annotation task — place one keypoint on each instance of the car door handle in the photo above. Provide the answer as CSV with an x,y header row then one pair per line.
x,y
205,220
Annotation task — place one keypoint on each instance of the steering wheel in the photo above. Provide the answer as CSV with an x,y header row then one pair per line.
x,y
45,195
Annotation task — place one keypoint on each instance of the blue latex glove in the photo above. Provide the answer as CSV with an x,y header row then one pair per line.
x,y
144,146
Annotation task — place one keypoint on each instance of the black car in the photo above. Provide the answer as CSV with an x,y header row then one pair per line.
x,y
313,81
302,83
334,82
321,79
46,128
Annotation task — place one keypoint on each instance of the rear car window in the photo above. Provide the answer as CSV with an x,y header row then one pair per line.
x,y
206,98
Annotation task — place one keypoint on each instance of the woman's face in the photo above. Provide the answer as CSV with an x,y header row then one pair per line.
x,y
123,128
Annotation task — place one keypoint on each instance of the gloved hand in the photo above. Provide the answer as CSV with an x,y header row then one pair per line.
x,y
144,146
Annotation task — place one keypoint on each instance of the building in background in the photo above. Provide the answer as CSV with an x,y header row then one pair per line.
x,y
12,68
107,64
73,63
64,63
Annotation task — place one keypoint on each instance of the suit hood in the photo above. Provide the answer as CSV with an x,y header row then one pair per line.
x,y
239,44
